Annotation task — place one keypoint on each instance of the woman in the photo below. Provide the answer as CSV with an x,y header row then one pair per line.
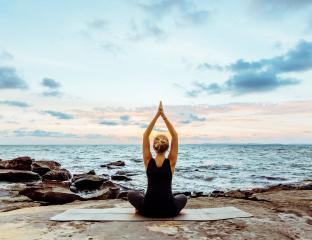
x,y
158,200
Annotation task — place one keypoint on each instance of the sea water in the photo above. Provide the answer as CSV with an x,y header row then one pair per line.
x,y
204,167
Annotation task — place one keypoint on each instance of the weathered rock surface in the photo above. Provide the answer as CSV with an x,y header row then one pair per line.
x,y
89,182
11,175
284,215
52,194
57,175
47,163
41,170
19,163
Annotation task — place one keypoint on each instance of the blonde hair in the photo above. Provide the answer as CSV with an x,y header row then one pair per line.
x,y
161,143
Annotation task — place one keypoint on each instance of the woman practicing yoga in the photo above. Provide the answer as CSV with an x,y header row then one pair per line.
x,y
158,200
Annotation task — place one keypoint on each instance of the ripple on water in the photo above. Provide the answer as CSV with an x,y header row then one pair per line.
x,y
200,167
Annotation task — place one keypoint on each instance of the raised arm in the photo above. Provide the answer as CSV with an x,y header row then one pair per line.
x,y
146,143
173,154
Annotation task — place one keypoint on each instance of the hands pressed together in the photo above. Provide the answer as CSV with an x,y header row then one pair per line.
x,y
160,111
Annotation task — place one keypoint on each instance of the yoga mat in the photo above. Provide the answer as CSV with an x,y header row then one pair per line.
x,y
128,214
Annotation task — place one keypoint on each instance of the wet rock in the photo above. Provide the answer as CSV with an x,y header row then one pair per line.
x,y
127,173
305,187
58,175
51,194
101,194
196,194
91,172
11,175
120,178
239,194
114,164
50,164
288,186
188,194
217,193
114,191
20,163
1,164
108,190
41,170
123,195
89,182
84,175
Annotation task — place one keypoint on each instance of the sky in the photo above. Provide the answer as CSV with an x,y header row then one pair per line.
x,y
93,72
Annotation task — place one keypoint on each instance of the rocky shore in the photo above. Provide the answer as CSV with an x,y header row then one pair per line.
x,y
31,191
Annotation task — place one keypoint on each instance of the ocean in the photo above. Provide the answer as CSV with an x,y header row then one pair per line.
x,y
204,167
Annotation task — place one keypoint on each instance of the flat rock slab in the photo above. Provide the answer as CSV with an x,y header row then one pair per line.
x,y
128,214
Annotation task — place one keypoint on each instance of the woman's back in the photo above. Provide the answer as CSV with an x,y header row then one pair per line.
x,y
158,198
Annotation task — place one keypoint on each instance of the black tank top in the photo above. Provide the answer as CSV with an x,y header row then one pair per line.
x,y
159,201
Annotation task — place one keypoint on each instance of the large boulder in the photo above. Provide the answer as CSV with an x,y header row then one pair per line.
x,y
20,163
89,182
43,166
82,175
11,175
57,175
50,164
51,194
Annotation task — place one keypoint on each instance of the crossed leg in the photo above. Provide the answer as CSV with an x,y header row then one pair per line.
x,y
180,202
136,199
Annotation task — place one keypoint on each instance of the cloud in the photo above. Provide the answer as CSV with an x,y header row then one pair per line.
x,y
50,83
53,87
4,55
258,76
109,123
274,8
52,93
143,125
186,11
125,118
60,115
248,82
147,29
9,79
42,133
15,103
111,48
193,118
98,24
208,66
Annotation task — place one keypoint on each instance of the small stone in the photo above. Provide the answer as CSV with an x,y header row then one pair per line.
x,y
112,165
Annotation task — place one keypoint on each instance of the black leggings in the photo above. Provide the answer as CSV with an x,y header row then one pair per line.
x,y
137,199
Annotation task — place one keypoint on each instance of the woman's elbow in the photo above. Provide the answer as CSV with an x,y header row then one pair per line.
x,y
175,134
